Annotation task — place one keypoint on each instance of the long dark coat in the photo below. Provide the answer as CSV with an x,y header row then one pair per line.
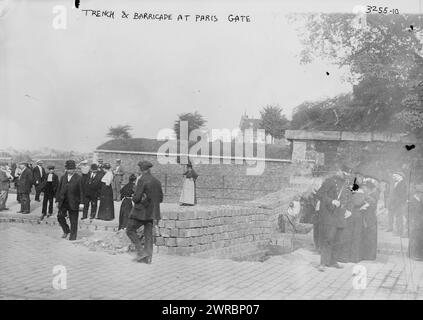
x,y
147,198
71,190
25,181
416,229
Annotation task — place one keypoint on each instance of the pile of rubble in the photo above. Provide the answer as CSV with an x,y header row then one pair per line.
x,y
112,243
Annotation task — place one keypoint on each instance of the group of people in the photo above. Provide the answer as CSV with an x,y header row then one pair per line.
x,y
345,216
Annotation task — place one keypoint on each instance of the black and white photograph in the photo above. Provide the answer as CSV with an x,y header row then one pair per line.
x,y
211,150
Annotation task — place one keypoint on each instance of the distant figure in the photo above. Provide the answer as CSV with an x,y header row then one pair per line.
x,y
106,210
91,190
16,173
126,196
146,212
50,189
85,169
397,204
25,182
5,179
117,180
369,232
100,165
68,199
415,246
40,176
188,195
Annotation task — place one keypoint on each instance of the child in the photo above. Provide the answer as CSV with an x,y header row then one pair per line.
x,y
126,196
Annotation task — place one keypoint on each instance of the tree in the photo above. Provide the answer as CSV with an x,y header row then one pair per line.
x,y
120,132
195,121
385,63
273,122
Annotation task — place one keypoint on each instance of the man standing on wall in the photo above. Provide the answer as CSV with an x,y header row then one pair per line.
x,y
117,180
334,197
68,198
146,211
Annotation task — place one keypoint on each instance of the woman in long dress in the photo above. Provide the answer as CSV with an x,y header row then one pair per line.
x,y
188,195
126,206
369,232
106,210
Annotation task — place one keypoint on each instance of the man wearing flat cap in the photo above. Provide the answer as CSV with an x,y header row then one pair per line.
x,y
397,203
25,182
40,177
68,198
50,188
146,211
334,196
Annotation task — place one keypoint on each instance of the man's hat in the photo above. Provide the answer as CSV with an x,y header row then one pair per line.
x,y
145,165
39,162
107,166
84,161
118,160
50,167
132,177
70,164
94,166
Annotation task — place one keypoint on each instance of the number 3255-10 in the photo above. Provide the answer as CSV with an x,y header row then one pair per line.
x,y
381,10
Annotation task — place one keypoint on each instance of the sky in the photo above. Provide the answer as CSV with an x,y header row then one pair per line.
x,y
63,88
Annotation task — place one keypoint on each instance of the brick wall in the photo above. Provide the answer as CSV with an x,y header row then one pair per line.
x,y
222,183
216,232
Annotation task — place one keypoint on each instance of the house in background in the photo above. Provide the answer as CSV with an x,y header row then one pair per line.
x,y
252,123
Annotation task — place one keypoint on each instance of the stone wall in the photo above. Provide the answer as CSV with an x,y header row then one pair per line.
x,y
220,231
223,183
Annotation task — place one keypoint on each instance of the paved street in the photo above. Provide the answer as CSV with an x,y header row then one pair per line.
x,y
30,252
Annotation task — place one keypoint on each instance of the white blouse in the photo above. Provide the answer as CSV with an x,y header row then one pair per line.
x,y
107,178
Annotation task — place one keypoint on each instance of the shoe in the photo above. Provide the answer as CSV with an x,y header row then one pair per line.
x,y
337,266
146,260
321,268
20,211
83,218
49,215
5,209
65,235
38,200
42,217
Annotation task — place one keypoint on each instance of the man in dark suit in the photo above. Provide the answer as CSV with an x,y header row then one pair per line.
x,y
25,182
50,188
91,187
146,211
397,203
334,209
40,177
68,199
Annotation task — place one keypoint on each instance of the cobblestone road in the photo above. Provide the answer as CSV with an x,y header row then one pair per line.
x,y
29,253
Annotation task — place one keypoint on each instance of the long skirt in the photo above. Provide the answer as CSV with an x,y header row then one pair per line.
x,y
350,239
416,238
369,242
188,195
125,210
106,210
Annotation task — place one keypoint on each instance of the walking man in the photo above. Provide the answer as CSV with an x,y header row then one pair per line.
x,y
117,180
334,209
25,182
68,199
91,186
40,177
50,189
146,211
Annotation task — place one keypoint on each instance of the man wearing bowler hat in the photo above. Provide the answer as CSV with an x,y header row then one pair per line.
x,y
49,190
68,198
91,186
146,211
25,182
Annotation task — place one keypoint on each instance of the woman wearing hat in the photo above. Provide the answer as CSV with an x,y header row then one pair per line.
x,y
106,210
126,194
188,195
